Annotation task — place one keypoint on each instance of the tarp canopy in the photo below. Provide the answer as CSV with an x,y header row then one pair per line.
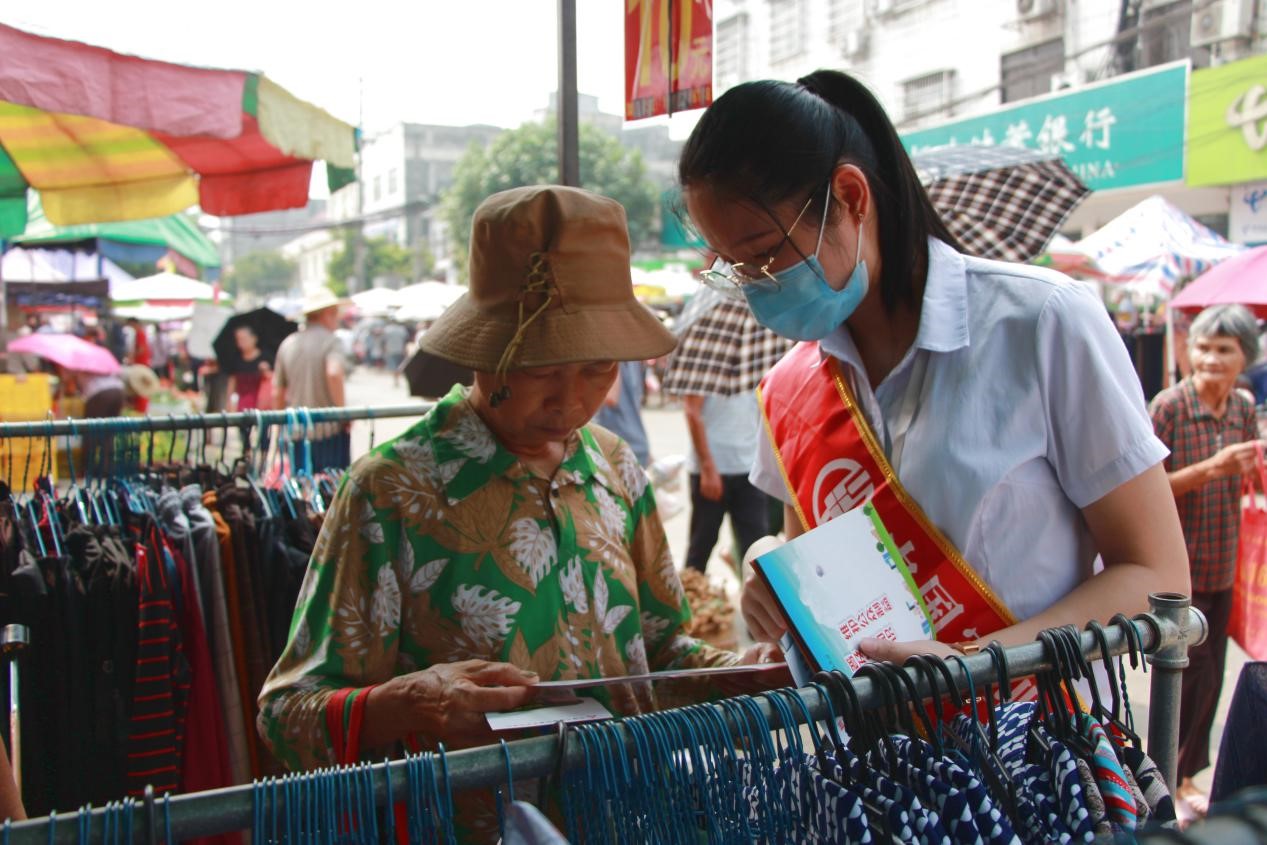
x,y
105,136
1152,246
129,240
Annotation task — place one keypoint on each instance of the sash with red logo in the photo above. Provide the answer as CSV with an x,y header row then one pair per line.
x,y
832,462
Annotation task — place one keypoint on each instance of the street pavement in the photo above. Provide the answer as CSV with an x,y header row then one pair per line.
x,y
666,430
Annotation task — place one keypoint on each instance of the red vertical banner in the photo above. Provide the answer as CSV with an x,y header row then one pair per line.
x,y
668,56
692,70
647,48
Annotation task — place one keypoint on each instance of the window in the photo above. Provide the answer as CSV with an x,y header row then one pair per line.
x,y
391,182
378,188
787,30
1028,73
1165,33
843,18
731,62
927,95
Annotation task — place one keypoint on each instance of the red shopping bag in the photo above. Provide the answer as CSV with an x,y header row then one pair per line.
x,y
1248,623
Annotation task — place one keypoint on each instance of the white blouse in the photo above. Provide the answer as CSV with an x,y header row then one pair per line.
x,y
1028,410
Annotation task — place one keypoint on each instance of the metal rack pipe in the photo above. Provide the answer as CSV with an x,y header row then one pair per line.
x,y
225,810
187,422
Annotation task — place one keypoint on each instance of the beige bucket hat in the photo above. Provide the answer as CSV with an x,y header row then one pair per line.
x,y
550,285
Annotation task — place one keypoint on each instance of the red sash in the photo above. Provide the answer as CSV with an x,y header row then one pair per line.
x,y
832,463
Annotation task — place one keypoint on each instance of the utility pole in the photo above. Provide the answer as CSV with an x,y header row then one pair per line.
x,y
569,134
358,238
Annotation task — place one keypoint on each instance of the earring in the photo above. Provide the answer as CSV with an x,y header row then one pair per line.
x,y
500,396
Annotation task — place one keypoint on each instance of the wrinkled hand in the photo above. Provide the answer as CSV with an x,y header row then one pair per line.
x,y
448,701
761,653
1236,459
893,652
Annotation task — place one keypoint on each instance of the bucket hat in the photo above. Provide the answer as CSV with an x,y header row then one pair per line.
x,y
140,380
549,284
319,299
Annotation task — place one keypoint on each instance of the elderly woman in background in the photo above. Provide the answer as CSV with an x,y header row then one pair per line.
x,y
1211,430
501,540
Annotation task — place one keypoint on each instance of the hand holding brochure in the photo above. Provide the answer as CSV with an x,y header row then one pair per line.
x,y
841,582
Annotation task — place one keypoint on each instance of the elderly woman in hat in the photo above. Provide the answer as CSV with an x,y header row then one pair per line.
x,y
501,540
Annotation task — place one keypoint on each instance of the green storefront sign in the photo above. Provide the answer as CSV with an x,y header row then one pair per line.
x,y
1227,124
1114,134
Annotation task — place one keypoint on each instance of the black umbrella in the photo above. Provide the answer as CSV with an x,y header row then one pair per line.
x,y
431,377
270,327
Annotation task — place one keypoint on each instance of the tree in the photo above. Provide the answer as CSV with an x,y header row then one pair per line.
x,y
383,259
261,273
529,156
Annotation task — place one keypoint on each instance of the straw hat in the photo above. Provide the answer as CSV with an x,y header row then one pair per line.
x,y
319,299
550,285
139,380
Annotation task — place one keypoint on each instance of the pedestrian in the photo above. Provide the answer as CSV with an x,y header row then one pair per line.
x,y
621,411
988,410
501,540
724,434
309,373
1211,430
139,352
395,338
250,372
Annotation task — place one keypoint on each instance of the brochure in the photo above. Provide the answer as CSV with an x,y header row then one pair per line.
x,y
841,582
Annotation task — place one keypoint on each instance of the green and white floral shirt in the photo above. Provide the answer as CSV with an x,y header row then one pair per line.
x,y
443,546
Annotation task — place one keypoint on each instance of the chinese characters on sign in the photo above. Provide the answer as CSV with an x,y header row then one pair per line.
x,y
668,56
1128,131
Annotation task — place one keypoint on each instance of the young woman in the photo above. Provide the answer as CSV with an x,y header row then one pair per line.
x,y
988,410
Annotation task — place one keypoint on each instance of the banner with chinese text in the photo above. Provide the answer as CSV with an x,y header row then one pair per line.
x,y
1227,124
1114,134
668,56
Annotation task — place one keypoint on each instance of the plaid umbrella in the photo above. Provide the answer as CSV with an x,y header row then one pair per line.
x,y
722,349
1000,202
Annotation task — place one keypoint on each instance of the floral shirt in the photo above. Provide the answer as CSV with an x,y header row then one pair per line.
x,y
443,546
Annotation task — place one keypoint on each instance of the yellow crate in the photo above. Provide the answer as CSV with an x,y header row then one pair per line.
x,y
25,397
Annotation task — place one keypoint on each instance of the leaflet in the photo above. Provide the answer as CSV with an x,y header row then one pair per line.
x,y
837,584
665,675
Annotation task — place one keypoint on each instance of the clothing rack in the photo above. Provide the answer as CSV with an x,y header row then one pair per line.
x,y
214,421
1165,634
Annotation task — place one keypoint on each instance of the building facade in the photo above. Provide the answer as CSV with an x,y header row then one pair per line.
x,y
935,63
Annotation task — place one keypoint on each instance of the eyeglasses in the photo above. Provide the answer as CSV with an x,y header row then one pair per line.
x,y
731,279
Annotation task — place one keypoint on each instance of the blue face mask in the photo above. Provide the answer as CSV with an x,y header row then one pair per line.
x,y
802,306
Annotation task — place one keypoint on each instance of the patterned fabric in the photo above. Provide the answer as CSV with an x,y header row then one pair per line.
x,y
1109,775
993,826
1210,514
1043,798
1070,796
1006,210
951,804
442,546
723,350
822,810
1095,802
1156,794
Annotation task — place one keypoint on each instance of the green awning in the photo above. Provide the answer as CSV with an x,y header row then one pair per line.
x,y
176,232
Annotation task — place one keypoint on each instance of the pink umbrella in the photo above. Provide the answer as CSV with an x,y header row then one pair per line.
x,y
71,352
1240,280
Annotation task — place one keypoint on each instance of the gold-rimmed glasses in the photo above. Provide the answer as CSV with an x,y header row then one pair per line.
x,y
731,279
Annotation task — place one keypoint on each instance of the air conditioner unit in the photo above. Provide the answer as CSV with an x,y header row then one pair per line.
x,y
1215,21
1065,80
880,8
1028,10
855,42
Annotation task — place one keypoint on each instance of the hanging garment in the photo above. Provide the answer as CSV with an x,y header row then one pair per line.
x,y
219,634
110,642
161,690
1161,805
